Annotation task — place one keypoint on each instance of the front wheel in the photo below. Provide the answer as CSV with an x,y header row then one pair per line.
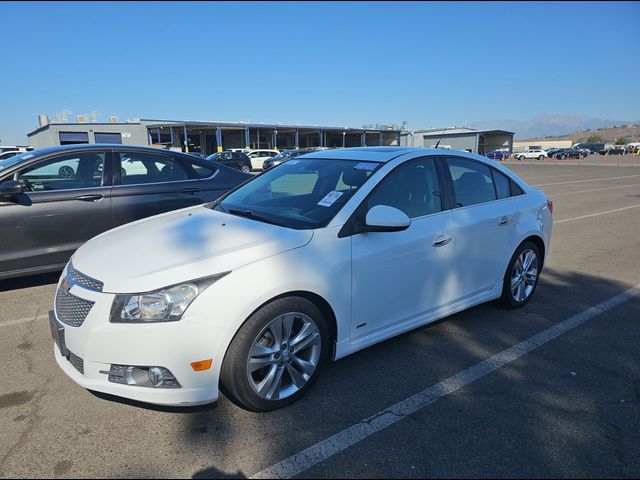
x,y
276,355
521,277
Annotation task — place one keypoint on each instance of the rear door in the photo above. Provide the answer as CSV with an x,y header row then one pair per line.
x,y
484,219
66,201
148,183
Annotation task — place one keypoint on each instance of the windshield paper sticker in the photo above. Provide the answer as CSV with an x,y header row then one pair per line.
x,y
365,166
329,199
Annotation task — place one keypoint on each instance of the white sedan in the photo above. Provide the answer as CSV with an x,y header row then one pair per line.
x,y
311,261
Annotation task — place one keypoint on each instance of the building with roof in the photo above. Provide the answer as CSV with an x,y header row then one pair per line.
x,y
208,137
460,138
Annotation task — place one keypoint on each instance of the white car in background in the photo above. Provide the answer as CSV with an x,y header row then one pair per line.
x,y
537,153
313,260
258,157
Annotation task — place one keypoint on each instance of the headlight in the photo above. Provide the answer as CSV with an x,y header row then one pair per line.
x,y
166,305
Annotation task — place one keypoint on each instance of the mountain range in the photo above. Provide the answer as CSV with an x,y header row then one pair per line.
x,y
548,125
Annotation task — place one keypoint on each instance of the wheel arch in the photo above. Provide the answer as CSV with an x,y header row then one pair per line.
x,y
538,242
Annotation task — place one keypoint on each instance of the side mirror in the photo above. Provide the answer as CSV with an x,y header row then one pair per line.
x,y
383,218
10,188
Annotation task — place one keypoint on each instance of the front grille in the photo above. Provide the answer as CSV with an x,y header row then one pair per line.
x,y
81,279
77,362
70,309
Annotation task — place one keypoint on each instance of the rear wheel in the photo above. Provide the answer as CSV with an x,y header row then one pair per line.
x,y
541,157
245,169
521,277
276,355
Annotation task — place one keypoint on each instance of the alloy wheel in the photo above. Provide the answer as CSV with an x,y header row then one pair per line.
x,y
284,356
524,275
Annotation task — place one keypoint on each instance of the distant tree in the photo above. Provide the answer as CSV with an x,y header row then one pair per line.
x,y
595,139
621,141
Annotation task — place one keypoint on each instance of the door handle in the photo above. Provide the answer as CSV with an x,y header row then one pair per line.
x,y
505,220
191,191
90,198
441,240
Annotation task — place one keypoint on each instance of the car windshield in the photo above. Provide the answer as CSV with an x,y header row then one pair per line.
x,y
300,194
11,161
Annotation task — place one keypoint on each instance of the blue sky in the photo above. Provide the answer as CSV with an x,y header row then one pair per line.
x,y
431,64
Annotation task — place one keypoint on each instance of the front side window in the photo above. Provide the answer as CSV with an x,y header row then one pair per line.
x,y
73,171
412,188
138,168
300,194
472,182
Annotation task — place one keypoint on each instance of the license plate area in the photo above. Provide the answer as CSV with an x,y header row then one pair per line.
x,y
57,332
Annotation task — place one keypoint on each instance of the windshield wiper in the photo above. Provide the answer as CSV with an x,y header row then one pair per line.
x,y
252,215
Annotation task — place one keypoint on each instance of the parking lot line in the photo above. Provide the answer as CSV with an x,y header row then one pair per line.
x,y
596,214
313,455
582,181
594,190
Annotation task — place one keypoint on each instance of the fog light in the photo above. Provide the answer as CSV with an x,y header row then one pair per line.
x,y
152,377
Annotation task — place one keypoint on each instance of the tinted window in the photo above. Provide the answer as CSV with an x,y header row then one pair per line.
x,y
73,171
148,168
502,184
202,171
472,182
108,137
412,188
69,138
515,189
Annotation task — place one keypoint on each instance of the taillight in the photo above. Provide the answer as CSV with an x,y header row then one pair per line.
x,y
550,206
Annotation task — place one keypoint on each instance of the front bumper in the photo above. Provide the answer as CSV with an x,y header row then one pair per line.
x,y
97,344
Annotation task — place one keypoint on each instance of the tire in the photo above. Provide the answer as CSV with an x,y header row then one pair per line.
x,y
521,157
245,169
563,157
513,300
251,390
541,157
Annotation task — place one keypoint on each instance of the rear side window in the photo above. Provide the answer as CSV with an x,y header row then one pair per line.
x,y
137,168
515,189
202,171
502,184
472,182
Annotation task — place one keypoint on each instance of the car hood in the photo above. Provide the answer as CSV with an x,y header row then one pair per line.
x,y
179,246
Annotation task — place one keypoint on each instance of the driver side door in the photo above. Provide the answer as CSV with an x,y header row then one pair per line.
x,y
398,278
65,202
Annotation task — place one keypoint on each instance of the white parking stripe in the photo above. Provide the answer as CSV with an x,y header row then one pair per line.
x,y
594,190
307,458
582,181
596,214
9,323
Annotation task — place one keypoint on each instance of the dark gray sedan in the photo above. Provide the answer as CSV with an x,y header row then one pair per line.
x,y
55,199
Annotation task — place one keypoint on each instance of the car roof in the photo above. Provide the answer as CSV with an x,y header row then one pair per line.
x,y
370,154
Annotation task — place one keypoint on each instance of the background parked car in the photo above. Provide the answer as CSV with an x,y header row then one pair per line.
x,y
537,153
614,150
238,160
498,155
286,155
257,157
55,199
592,147
570,153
